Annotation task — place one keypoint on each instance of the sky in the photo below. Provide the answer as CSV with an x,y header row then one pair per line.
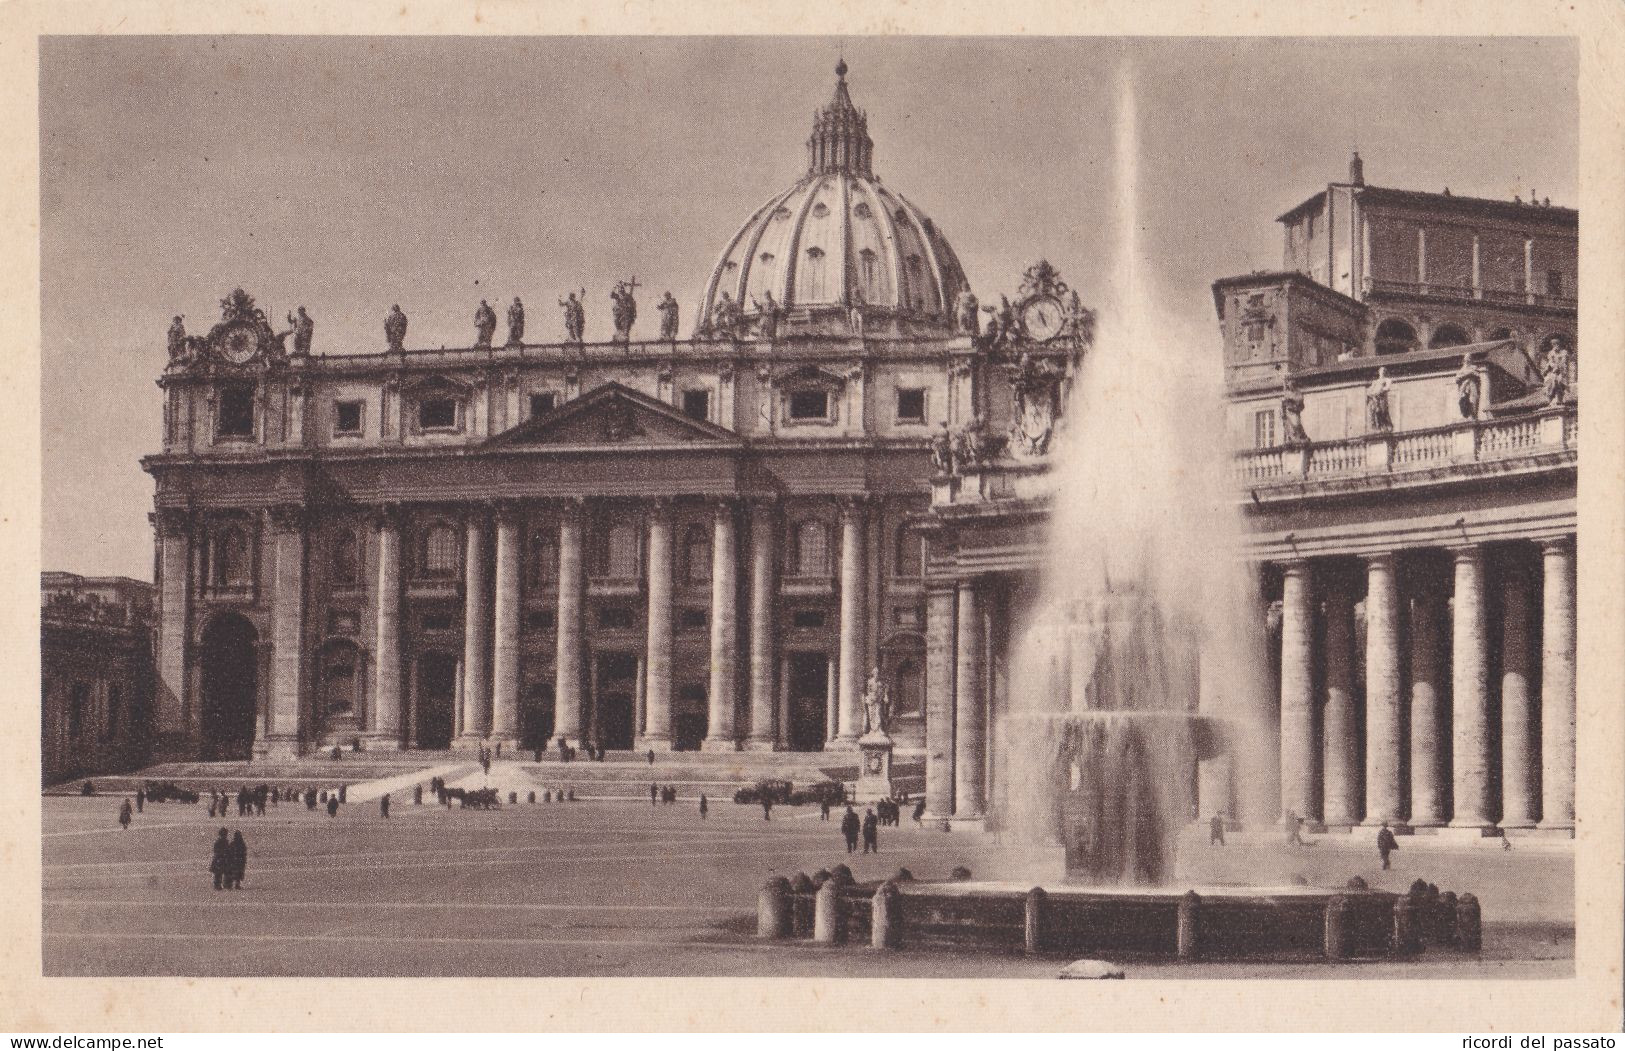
x,y
346,174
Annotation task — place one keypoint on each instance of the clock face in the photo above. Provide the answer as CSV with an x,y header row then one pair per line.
x,y
1043,318
239,344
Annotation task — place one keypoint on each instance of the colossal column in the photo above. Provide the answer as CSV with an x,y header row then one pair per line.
x,y
1341,722
572,584
853,599
720,736
1557,685
657,662
1298,737
1430,769
505,651
763,651
939,702
1215,793
174,560
1384,714
970,706
476,635
1470,710
282,731
387,723
1520,770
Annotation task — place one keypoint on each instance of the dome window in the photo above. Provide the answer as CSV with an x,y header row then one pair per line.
x,y
901,215
820,210
780,214
866,267
813,275
862,211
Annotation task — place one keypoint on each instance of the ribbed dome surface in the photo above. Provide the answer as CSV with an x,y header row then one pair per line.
x,y
836,240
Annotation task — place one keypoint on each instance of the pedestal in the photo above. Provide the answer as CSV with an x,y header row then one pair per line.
x,y
874,767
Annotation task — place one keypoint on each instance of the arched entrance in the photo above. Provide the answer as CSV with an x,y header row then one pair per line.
x,y
229,661
435,700
536,717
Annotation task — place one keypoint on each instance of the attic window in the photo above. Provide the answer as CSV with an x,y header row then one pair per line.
x,y
236,411
543,402
347,418
437,414
809,405
697,404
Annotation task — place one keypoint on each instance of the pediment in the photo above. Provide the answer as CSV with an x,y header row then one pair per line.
x,y
610,415
811,376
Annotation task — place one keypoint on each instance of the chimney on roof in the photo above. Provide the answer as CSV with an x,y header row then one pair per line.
x,y
1356,169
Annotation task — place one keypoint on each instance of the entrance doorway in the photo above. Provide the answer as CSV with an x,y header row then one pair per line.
x,y
230,666
536,717
615,686
436,699
809,701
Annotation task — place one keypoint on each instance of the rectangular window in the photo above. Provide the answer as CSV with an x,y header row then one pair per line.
x,y
543,402
615,617
438,621
697,404
807,618
236,412
539,620
1554,282
809,405
1264,429
693,619
911,405
437,414
347,417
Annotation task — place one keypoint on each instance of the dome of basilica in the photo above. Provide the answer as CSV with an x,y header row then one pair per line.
x,y
838,252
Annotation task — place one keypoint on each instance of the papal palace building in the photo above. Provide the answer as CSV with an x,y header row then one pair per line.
x,y
711,541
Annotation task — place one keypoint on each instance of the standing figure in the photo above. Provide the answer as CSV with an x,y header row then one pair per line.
x,y
395,328
871,833
625,311
124,816
485,324
769,314
220,859
140,799
1079,320
874,703
726,318
1215,831
383,805
304,332
1377,414
516,322
239,861
850,825
177,340
1467,389
1555,371
1292,432
942,450
575,317
1386,843
967,319
668,317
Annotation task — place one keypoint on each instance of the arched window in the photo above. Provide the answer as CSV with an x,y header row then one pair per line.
x,y
339,678
812,550
231,567
908,687
440,551
1449,335
346,560
862,211
621,552
814,271
544,557
1395,337
908,554
868,271
1500,334
697,555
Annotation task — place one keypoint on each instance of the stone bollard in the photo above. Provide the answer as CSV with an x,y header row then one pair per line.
x,y
959,874
821,877
530,797
904,876
1469,924
344,793
844,873
1033,920
1444,919
886,917
417,795
1337,923
801,908
773,909
1406,938
829,915
1358,883
513,797
1186,940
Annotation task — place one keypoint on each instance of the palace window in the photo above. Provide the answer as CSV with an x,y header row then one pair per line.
x,y
911,405
231,563
236,419
347,418
908,558
543,402
346,560
812,550
697,404
809,405
1264,429
440,551
437,414
697,555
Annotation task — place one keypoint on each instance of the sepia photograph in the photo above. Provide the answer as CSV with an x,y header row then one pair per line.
x,y
814,506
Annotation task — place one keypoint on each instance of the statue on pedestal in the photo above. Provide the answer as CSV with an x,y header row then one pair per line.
x,y
1377,415
1467,389
942,450
875,703
727,319
575,317
177,340
395,328
769,314
1036,387
668,317
967,319
1554,372
1292,432
485,324
1001,324
625,310
304,332
516,322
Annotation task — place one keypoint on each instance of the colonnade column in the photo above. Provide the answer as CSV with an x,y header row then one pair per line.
x,y
854,597
1470,739
1520,771
970,706
939,701
387,724
572,584
657,662
1384,715
1299,740
174,560
1341,731
282,731
505,651
1215,793
476,721
1430,766
1557,683
763,650
720,735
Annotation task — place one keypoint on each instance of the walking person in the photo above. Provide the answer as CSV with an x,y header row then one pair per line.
x,y
871,833
1215,831
705,806
823,809
651,757
239,861
140,799
383,806
850,825
654,794
767,808
333,805
1386,844
124,816
1294,834
919,810
220,859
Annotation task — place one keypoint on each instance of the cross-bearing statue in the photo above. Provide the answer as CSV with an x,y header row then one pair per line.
x,y
575,317
395,328
485,324
668,317
1377,414
516,322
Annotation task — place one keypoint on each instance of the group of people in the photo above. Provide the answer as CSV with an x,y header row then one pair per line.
x,y
250,801
868,827
662,794
594,750
229,861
